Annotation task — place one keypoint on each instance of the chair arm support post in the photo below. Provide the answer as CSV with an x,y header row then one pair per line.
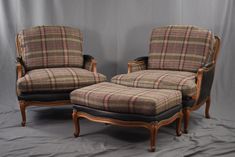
x,y
94,66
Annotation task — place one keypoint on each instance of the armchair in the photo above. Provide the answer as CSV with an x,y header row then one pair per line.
x,y
181,58
50,65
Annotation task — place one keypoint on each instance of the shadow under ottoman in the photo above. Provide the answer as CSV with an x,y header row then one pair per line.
x,y
127,106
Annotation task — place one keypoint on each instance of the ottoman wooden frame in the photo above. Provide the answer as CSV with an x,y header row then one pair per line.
x,y
151,126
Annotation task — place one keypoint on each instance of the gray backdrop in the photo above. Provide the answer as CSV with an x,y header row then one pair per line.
x,y
116,31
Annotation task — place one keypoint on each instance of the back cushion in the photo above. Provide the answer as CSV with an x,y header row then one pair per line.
x,y
182,48
51,46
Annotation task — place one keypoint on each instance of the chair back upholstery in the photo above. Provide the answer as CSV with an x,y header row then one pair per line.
x,y
50,46
180,47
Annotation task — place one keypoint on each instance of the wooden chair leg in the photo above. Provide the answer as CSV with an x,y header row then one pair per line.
x,y
153,132
186,119
208,103
76,124
23,114
178,124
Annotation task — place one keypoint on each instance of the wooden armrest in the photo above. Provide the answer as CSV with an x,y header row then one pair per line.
x,y
133,63
19,73
94,66
19,69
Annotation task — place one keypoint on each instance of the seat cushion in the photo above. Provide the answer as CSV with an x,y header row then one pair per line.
x,y
50,47
121,99
159,79
180,47
57,79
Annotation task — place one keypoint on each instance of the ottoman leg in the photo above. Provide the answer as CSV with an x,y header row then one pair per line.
x,y
186,119
153,132
208,103
22,110
76,123
178,124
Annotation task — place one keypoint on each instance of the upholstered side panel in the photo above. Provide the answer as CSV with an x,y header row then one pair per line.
x,y
44,97
206,84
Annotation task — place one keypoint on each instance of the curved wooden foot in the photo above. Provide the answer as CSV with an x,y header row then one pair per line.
x,y
178,124
186,115
153,132
23,124
23,114
76,124
208,103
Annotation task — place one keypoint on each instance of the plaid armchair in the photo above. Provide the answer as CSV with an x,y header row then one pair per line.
x,y
180,58
50,64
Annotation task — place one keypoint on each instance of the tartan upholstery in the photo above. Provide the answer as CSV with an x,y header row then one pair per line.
x,y
121,99
182,48
51,46
159,79
137,65
57,79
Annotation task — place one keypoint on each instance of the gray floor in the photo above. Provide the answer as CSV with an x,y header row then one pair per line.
x,y
49,132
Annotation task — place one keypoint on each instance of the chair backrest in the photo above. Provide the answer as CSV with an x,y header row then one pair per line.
x,y
180,47
50,46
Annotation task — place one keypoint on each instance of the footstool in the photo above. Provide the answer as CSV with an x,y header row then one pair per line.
x,y
127,106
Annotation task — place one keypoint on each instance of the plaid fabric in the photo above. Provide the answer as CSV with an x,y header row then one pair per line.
x,y
137,65
51,46
57,79
177,47
159,79
121,99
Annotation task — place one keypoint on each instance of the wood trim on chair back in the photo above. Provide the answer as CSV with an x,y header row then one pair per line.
x,y
17,42
216,48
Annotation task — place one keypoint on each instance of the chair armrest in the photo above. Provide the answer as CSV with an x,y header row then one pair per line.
x,y
20,71
20,68
138,64
205,78
89,63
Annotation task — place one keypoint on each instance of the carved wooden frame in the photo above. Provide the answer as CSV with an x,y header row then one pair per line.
x,y
151,126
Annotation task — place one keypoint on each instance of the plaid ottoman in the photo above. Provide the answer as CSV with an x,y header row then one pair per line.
x,y
127,106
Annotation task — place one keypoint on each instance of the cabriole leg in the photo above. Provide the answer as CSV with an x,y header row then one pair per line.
x,y
23,114
186,119
208,103
76,123
153,132
178,124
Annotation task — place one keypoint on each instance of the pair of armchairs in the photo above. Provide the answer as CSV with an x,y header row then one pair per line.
x,y
180,58
50,65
